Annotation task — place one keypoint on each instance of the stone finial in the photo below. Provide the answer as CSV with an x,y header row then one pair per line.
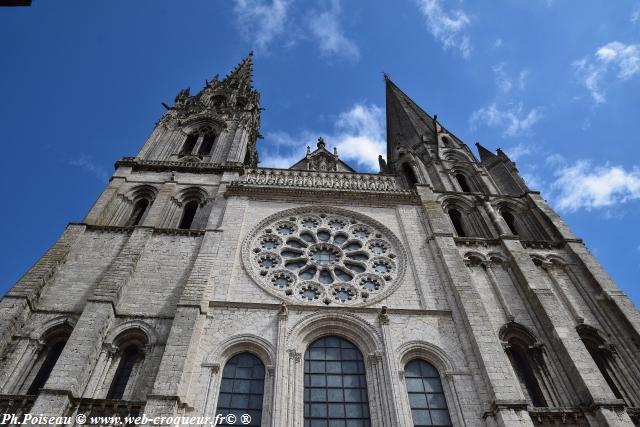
x,y
383,315
308,150
335,151
321,143
284,311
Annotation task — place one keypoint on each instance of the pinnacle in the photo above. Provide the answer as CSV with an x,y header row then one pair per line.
x,y
484,153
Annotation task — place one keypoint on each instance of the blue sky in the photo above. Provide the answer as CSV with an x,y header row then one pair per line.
x,y
556,84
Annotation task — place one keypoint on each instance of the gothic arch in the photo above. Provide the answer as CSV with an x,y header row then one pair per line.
x,y
474,258
444,364
196,124
142,330
237,344
361,334
47,343
606,358
349,326
224,352
139,198
520,219
529,363
192,193
455,156
142,191
468,218
57,323
426,351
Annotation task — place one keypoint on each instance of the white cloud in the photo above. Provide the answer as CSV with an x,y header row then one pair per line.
x,y
512,119
262,21
265,23
505,82
325,27
635,16
358,135
582,185
518,151
498,43
614,59
87,163
447,27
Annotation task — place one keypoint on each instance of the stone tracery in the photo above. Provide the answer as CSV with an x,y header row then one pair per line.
x,y
324,256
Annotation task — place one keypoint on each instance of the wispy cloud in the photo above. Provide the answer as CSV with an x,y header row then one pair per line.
x,y
358,134
87,163
513,119
583,185
518,151
262,21
507,83
504,112
325,27
635,15
448,27
268,24
613,61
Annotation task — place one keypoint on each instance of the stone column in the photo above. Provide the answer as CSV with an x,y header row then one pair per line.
x,y
392,393
279,397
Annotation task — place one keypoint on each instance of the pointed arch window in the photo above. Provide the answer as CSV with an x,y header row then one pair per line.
x,y
129,360
456,220
462,182
528,359
188,214
523,366
602,354
242,388
335,385
426,395
409,174
51,354
511,221
189,144
139,209
206,146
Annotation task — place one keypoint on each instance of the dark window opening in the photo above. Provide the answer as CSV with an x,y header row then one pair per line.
x,y
189,143
188,214
511,222
335,384
456,220
603,366
426,395
139,210
462,181
50,360
242,388
123,373
207,144
522,365
409,175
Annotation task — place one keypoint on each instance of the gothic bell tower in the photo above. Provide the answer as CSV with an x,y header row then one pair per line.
x,y
218,125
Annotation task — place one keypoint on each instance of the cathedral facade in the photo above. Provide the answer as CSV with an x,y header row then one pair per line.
x,y
441,291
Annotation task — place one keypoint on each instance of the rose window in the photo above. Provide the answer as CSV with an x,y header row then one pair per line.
x,y
326,257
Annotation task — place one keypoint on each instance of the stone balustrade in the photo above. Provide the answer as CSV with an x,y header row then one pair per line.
x,y
322,180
